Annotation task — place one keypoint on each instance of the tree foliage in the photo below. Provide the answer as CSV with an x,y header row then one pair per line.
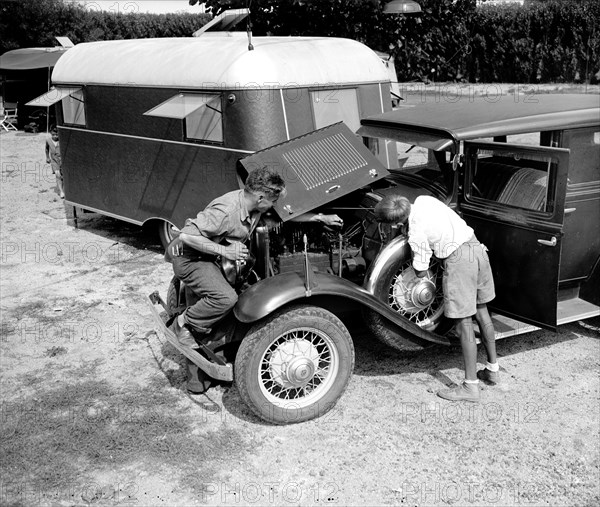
x,y
35,23
542,41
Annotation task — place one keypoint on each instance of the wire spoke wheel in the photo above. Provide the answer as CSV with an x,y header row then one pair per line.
x,y
420,300
294,365
300,365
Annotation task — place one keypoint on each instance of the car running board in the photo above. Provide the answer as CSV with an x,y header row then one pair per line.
x,y
216,371
569,310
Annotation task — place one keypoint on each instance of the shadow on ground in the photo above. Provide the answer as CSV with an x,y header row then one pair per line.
x,y
58,440
375,358
135,236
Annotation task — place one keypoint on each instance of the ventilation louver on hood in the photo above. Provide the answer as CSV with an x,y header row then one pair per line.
x,y
318,168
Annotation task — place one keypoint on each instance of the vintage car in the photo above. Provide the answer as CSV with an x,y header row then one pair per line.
x,y
525,174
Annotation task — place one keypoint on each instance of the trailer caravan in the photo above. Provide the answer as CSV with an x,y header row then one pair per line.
x,y
151,130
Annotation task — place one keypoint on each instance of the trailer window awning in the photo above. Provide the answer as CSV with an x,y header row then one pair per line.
x,y
184,104
53,96
30,58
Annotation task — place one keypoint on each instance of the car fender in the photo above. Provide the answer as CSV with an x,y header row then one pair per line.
x,y
270,294
384,261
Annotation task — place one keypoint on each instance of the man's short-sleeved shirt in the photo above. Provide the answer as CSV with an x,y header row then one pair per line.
x,y
226,217
434,228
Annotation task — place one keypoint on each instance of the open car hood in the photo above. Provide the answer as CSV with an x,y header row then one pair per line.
x,y
318,168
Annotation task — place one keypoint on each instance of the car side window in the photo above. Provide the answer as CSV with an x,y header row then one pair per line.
x,y
585,155
512,178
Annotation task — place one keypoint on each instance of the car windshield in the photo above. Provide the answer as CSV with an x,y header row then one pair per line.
x,y
406,159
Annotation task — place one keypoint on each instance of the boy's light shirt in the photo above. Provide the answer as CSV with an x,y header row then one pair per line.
x,y
434,228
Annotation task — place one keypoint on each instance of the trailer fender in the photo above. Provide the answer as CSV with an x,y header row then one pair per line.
x,y
270,294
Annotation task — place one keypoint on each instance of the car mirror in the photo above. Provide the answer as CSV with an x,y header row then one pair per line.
x,y
456,161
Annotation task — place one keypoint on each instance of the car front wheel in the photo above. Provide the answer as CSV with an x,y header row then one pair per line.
x,y
294,365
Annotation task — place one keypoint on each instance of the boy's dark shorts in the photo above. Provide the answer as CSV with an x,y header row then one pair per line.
x,y
468,280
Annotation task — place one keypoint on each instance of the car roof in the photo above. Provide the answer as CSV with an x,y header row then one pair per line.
x,y
437,122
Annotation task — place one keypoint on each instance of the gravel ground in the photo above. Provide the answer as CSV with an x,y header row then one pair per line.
x,y
73,312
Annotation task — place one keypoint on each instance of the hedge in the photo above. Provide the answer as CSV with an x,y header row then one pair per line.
x,y
35,23
542,42
452,40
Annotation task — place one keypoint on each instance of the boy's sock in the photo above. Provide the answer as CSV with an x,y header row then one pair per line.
x,y
492,366
471,381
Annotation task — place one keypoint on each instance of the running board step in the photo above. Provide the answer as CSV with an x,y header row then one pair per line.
x,y
506,327
574,309
570,310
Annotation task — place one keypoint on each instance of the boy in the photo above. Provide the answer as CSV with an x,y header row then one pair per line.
x,y
434,228
53,158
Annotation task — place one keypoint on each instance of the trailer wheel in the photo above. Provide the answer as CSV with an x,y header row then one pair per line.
x,y
294,365
422,304
166,232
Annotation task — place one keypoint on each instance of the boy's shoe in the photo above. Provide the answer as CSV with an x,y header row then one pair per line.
x,y
463,392
489,377
184,335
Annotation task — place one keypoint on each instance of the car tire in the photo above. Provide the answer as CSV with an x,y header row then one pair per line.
x,y
294,365
388,289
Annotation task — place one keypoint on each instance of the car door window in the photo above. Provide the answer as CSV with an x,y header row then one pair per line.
x,y
512,177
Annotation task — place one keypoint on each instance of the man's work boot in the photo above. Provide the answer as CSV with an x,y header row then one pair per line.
x,y
463,392
198,382
489,377
184,335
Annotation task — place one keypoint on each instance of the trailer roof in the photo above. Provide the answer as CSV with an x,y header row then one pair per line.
x,y
221,63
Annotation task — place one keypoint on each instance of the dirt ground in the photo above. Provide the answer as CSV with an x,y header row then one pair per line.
x,y
94,410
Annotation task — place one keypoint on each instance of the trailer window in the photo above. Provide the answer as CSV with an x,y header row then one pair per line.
x,y
206,123
73,109
335,105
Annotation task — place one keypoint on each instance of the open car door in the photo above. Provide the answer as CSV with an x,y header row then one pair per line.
x,y
514,198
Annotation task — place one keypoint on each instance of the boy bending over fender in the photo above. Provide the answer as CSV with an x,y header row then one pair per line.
x,y
468,285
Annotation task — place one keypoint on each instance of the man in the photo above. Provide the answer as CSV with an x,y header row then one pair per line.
x,y
221,231
434,228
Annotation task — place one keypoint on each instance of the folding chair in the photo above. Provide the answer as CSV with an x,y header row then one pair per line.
x,y
9,118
